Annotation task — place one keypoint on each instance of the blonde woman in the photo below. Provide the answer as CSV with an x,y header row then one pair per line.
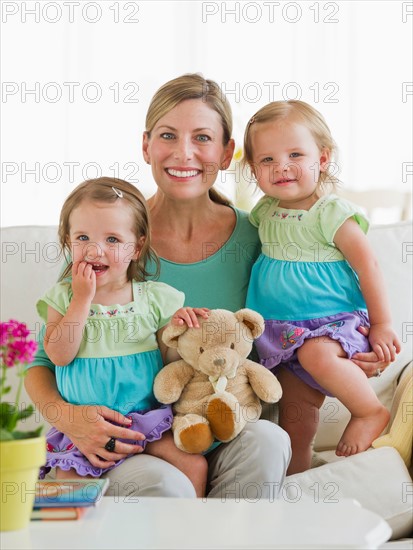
x,y
207,248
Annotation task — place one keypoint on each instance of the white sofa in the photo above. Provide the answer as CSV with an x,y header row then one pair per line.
x,y
378,478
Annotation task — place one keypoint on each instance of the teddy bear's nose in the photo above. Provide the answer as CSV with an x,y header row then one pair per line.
x,y
219,362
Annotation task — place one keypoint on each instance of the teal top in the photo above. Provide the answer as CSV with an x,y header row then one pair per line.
x,y
300,273
220,280
118,357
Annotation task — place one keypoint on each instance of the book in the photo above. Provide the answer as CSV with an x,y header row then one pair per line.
x,y
69,493
58,514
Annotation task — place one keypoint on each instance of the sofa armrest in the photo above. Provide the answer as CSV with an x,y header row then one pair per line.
x,y
400,434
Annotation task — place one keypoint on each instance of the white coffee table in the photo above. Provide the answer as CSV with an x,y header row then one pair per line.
x,y
149,523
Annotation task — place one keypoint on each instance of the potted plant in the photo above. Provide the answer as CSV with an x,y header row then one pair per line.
x,y
21,452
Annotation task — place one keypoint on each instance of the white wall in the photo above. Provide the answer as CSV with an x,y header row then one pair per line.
x,y
351,60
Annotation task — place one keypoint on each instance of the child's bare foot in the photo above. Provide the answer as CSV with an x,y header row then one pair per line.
x,y
361,432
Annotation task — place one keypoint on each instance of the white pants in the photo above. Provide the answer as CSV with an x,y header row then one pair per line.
x,y
252,466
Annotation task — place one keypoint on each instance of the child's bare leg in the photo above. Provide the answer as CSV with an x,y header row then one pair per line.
x,y
298,416
194,466
327,363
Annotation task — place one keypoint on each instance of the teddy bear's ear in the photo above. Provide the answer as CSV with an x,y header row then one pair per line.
x,y
172,333
252,320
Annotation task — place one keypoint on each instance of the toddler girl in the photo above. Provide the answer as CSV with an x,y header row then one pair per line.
x,y
104,326
314,281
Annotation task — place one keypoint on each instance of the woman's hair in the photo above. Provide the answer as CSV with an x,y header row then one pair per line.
x,y
102,190
302,113
191,86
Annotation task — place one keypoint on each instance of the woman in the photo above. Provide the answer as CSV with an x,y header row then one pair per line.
x,y
207,249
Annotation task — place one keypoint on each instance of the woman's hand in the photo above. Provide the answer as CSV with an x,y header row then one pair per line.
x,y
369,362
189,315
89,428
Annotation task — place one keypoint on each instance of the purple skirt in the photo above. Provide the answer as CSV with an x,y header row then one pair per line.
x,y
61,452
277,347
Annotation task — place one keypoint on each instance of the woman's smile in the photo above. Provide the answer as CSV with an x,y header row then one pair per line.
x,y
183,173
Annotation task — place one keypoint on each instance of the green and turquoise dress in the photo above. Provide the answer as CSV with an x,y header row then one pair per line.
x,y
116,364
302,284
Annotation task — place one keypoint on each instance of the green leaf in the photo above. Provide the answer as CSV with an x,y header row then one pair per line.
x,y
5,435
38,431
25,413
6,407
6,390
6,414
27,435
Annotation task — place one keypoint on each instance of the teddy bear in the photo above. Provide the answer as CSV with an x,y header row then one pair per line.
x,y
215,390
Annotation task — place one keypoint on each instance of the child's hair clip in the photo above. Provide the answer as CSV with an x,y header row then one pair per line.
x,y
118,193
252,119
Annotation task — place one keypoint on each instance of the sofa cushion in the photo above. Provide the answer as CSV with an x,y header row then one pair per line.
x,y
30,264
378,479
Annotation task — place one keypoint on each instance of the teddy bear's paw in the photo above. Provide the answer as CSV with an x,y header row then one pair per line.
x,y
223,415
192,434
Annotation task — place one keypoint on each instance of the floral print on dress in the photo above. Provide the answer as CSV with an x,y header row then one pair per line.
x,y
336,326
288,337
290,215
287,216
111,312
51,449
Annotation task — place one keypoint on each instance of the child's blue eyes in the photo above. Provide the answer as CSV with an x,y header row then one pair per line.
x,y
111,240
291,155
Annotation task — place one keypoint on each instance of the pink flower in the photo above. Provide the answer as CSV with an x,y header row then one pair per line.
x,y
15,347
16,350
